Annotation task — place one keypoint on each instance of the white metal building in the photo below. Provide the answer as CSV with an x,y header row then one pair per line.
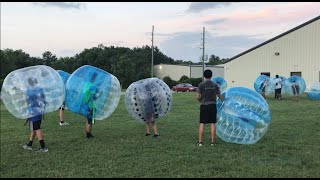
x,y
175,72
295,52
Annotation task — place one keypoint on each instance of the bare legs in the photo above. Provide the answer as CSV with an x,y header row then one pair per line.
x,y
154,125
212,131
201,129
88,127
61,115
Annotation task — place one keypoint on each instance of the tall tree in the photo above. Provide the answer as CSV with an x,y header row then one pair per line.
x,y
49,58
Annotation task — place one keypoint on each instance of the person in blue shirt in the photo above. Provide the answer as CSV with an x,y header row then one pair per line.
x,y
36,105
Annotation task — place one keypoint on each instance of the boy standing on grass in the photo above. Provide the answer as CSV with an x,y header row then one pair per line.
x,y
295,91
61,112
207,93
36,105
89,103
263,88
278,87
150,113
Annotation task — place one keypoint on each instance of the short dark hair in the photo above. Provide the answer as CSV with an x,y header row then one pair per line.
x,y
207,73
277,76
32,81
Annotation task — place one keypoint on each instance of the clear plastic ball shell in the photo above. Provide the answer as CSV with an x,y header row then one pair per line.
x,y
294,84
91,87
147,96
222,83
314,93
64,75
259,84
22,89
244,116
315,86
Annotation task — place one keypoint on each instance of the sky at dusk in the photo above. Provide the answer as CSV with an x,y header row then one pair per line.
x,y
67,28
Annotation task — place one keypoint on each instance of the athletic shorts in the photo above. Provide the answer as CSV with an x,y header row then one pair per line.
x,y
278,91
34,125
208,113
89,120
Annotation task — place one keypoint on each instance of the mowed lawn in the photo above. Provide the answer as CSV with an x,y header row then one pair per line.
x,y
290,148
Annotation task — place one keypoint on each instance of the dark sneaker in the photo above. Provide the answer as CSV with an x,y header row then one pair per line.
x,y
156,135
199,143
43,150
147,134
27,147
90,136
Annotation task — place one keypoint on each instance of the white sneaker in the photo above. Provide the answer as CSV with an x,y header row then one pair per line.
x,y
27,147
64,124
43,150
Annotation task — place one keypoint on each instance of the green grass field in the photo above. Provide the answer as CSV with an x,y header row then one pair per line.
x,y
290,148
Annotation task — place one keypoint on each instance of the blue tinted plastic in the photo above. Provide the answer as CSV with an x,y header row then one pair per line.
x,y
64,75
314,93
222,83
244,116
92,92
263,84
294,84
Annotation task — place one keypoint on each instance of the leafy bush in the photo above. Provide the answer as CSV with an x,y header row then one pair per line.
x,y
194,81
169,81
183,79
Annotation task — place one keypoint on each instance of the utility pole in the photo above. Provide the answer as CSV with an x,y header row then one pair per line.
x,y
152,53
203,53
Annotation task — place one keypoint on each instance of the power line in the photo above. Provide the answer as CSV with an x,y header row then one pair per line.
x,y
203,52
152,53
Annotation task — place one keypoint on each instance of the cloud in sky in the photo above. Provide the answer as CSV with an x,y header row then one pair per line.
x,y
231,28
201,6
186,45
215,21
63,5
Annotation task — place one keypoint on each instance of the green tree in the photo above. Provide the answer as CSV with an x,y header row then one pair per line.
x,y
214,60
183,79
169,81
48,58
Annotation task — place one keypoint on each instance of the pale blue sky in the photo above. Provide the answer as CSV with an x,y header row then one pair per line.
x,y
66,28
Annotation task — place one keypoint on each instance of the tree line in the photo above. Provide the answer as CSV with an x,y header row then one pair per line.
x,y
128,65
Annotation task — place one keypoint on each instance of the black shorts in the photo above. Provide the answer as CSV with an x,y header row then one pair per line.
x,y
278,91
208,113
89,120
34,125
